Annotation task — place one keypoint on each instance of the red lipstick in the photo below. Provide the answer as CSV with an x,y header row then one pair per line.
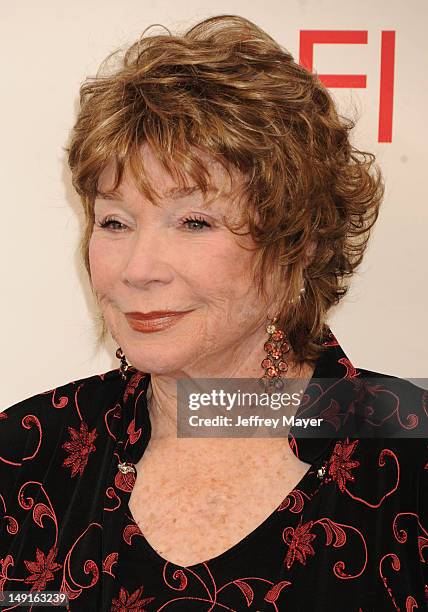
x,y
154,314
155,320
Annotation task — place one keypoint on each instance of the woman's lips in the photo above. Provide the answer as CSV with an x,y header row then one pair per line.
x,y
155,314
153,323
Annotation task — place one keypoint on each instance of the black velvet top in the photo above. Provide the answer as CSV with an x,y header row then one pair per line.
x,y
351,536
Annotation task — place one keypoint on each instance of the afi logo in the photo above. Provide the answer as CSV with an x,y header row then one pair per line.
x,y
387,54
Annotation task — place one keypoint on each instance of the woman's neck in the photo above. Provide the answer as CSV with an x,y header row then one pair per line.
x,y
162,403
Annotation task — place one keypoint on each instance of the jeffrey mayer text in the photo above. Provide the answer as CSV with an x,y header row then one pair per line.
x,y
271,422
252,421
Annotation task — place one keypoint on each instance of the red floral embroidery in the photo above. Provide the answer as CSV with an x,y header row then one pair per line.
x,y
351,371
134,434
80,446
340,464
332,414
127,602
125,482
42,569
132,385
298,541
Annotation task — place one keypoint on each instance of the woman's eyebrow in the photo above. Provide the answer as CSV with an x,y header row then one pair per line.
x,y
174,194
181,192
208,199
177,193
111,195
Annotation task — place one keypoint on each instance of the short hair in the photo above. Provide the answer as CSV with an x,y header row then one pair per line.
x,y
227,88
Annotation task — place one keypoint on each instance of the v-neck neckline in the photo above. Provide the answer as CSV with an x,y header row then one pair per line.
x,y
303,490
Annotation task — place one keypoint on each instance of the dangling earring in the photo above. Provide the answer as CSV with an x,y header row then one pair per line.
x,y
276,347
124,365
274,364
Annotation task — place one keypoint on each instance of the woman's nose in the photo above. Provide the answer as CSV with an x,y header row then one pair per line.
x,y
147,259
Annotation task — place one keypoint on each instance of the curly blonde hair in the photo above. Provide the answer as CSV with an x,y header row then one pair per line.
x,y
227,88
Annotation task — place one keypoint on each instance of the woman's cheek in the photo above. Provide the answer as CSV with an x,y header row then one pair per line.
x,y
101,260
94,260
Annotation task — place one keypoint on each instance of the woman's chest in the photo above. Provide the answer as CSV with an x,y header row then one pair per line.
x,y
189,515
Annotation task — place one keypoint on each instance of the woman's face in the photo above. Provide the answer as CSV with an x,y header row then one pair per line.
x,y
149,258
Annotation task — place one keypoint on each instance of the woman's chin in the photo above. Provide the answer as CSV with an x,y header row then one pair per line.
x,y
156,365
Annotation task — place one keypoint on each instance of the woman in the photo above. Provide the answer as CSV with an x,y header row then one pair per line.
x,y
225,207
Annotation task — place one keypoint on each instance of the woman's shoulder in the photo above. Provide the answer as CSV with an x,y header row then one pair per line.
x,y
55,436
395,411
376,408
398,406
58,397
44,415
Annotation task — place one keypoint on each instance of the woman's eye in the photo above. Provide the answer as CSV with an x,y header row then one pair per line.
x,y
108,224
195,221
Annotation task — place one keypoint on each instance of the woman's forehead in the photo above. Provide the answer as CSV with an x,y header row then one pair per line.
x,y
169,185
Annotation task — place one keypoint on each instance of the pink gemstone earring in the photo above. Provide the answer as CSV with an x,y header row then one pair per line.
x,y
274,364
276,347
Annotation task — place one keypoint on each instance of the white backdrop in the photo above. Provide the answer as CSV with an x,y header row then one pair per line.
x,y
48,47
